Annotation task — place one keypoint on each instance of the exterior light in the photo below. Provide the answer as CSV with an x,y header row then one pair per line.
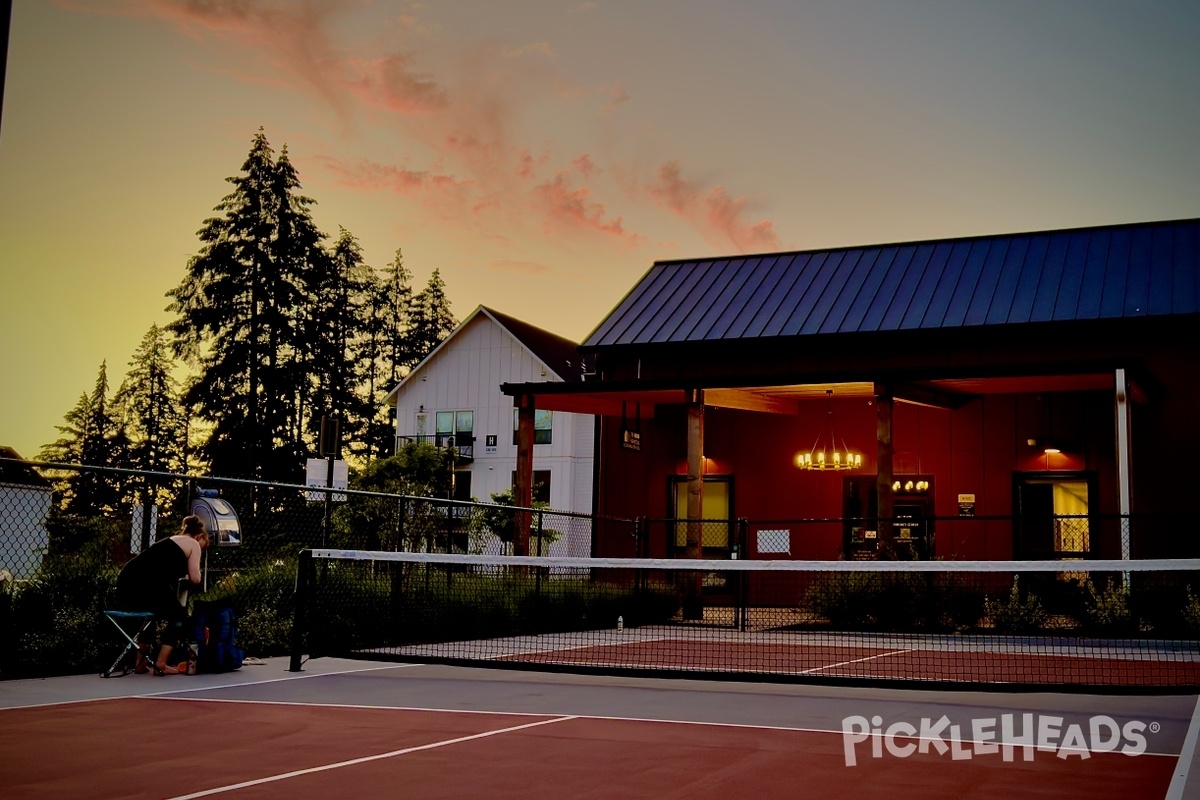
x,y
837,459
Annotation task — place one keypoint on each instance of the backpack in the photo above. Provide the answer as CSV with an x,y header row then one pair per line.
x,y
214,629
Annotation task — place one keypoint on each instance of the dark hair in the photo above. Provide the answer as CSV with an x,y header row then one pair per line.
x,y
192,526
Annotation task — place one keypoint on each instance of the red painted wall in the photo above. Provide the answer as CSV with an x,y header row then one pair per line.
x,y
975,449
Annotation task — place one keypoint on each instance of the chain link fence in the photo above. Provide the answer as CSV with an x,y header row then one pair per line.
x,y
60,552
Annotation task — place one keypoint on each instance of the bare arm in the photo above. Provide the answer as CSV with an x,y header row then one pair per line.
x,y
192,548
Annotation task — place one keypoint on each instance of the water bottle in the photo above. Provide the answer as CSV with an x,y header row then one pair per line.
x,y
193,657
620,623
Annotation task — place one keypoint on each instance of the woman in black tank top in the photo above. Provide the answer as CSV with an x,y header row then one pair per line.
x,y
150,582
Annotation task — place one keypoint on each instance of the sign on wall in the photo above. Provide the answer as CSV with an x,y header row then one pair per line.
x,y
966,505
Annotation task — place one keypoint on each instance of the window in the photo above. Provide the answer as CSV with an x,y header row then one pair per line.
x,y
543,426
1052,516
455,428
541,485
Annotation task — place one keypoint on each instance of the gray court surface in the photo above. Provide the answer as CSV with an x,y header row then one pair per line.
x,y
1170,722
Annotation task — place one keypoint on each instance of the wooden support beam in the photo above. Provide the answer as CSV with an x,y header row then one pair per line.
x,y
884,403
523,491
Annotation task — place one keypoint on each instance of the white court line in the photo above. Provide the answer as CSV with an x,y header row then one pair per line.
x,y
337,765
1187,751
609,718
169,692
857,660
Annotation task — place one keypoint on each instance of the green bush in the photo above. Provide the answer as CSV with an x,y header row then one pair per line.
x,y
54,623
1015,614
1191,612
401,605
1107,610
262,596
886,601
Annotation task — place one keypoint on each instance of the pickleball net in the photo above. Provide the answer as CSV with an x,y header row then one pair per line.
x,y
1127,625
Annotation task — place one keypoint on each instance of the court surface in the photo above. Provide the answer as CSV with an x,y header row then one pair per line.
x,y
361,729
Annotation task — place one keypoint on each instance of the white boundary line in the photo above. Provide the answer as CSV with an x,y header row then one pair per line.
x,y
857,660
351,762
190,689
1187,752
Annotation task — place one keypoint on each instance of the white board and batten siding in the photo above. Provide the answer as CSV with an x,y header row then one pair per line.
x,y
465,374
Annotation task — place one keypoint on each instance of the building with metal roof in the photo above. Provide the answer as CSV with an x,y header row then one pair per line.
x,y
948,364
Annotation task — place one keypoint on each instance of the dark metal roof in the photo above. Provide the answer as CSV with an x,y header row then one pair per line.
x,y
557,352
19,474
1119,271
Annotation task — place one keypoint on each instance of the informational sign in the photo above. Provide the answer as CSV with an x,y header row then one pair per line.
x,y
316,475
966,505
631,440
489,444
777,540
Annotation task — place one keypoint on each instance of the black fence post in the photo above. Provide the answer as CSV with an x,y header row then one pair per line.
x,y
300,611
743,579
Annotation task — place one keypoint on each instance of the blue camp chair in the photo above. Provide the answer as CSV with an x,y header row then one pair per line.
x,y
132,625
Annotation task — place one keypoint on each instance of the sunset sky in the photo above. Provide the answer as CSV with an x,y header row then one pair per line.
x,y
544,154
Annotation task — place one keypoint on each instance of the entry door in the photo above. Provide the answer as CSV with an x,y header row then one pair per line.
x,y
1052,516
717,508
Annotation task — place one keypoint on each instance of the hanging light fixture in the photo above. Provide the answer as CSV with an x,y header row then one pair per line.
x,y
835,456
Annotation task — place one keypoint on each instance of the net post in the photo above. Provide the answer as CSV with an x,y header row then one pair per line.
x,y
299,615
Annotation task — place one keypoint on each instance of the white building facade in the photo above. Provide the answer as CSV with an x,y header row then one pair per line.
x,y
453,398
25,500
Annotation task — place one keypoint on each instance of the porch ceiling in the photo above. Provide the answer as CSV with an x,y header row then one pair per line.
x,y
632,400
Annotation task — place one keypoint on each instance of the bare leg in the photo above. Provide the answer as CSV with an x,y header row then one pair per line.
x,y
163,652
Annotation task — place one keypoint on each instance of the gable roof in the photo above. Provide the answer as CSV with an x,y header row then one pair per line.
x,y
19,474
560,355
1118,271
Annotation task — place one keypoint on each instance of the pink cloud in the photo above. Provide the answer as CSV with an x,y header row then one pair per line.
x,y
389,83
584,166
718,217
481,169
574,210
369,176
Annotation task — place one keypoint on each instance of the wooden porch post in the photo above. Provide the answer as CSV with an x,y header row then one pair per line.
x,y
884,402
693,607
523,491
1123,461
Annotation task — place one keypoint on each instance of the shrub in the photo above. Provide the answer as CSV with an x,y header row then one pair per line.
x,y
1107,610
1191,612
904,601
1015,614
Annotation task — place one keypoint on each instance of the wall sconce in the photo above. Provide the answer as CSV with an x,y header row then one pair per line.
x,y
910,486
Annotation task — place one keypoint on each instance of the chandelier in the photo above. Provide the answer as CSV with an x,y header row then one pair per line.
x,y
831,457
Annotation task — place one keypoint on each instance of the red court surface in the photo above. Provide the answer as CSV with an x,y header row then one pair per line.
x,y
359,733
857,661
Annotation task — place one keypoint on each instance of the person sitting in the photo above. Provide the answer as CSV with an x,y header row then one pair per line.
x,y
150,582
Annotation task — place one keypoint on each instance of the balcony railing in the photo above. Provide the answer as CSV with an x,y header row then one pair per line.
x,y
462,443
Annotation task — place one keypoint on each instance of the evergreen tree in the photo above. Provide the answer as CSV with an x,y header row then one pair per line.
x,y
238,321
432,320
339,338
90,436
150,408
387,347
297,349
149,405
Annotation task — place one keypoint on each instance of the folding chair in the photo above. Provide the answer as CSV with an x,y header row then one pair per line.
x,y
132,625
